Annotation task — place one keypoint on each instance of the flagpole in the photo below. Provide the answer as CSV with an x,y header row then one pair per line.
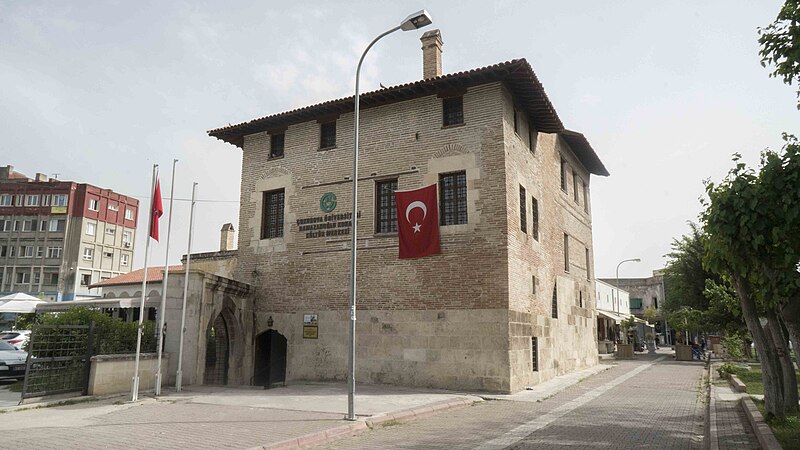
x,y
135,381
179,373
162,310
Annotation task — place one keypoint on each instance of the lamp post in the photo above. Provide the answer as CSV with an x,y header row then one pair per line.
x,y
620,263
415,21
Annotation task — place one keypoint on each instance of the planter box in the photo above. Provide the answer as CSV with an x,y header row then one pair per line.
x,y
625,351
111,374
683,352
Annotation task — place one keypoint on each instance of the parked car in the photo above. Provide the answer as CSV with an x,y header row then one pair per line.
x,y
12,361
17,338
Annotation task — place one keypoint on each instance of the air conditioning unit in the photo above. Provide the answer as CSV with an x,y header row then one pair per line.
x,y
126,244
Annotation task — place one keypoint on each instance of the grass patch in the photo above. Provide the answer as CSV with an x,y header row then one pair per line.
x,y
786,431
391,423
16,387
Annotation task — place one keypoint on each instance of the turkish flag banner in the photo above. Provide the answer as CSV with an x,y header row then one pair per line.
x,y
418,222
156,212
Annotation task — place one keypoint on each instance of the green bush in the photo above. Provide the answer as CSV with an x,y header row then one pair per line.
x,y
734,345
726,370
111,335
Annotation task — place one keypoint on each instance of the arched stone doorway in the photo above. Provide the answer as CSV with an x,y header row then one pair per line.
x,y
270,362
217,352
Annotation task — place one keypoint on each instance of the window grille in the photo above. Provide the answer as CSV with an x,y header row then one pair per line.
x,y
272,222
276,145
452,111
523,213
327,135
453,198
385,207
535,353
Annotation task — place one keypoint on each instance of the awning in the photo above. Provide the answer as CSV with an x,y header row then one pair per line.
x,y
122,302
616,317
638,320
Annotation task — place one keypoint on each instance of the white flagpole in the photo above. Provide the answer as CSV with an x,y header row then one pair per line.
x,y
179,373
162,310
135,381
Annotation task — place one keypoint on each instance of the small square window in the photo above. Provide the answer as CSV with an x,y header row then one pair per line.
x,y
276,145
91,229
128,214
94,205
327,135
86,279
452,111
123,260
113,207
108,254
88,253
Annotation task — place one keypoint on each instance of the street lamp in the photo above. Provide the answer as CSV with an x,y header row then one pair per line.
x,y
415,21
620,263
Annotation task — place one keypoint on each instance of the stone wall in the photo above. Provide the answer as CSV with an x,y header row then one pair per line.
x,y
111,374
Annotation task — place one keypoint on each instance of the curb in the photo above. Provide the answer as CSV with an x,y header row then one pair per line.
x,y
763,433
358,427
736,384
711,412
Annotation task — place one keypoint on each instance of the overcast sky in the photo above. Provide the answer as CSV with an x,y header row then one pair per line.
x,y
666,92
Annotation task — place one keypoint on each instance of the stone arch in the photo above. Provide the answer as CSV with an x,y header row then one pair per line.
x,y
224,345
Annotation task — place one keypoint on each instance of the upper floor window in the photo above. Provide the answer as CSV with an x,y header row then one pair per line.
x,y
533,137
54,252
94,204
57,224
113,207
535,218
128,214
6,199
18,199
452,110
585,196
575,194
60,200
23,277
28,225
327,135
636,303
516,121
563,175
588,266
31,200
554,305
272,220
46,200
126,237
385,206
276,144
91,229
88,253
453,198
86,279
123,260
523,213
566,252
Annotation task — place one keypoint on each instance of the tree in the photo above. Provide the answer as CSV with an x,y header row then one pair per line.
x,y
780,44
685,275
751,219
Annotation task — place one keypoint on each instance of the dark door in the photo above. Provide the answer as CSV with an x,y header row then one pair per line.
x,y
270,364
217,347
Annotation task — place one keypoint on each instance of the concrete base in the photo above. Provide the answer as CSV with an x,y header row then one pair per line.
x,y
683,352
112,374
625,351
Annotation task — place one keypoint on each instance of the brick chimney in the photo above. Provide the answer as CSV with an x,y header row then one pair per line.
x,y
226,237
431,54
6,171
41,177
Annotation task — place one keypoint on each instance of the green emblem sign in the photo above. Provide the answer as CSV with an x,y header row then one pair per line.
x,y
327,202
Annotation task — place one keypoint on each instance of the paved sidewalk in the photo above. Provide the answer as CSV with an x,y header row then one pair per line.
x,y
729,426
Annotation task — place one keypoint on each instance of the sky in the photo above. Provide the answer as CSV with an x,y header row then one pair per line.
x,y
666,92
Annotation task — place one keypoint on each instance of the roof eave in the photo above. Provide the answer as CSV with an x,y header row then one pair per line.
x,y
585,152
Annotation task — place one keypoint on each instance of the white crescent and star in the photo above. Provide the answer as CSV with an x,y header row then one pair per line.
x,y
411,206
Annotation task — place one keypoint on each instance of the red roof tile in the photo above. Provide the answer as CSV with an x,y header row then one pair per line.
x,y
154,274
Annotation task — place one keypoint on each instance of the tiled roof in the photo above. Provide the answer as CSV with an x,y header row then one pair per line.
x,y
517,75
154,274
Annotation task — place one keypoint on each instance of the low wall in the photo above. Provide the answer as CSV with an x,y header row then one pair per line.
x,y
112,374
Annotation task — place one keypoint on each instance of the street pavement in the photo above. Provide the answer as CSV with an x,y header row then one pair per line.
x,y
8,398
649,402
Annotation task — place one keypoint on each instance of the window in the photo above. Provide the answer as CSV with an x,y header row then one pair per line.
x,y
23,277
533,137
26,251
272,221
535,353
113,207
128,214
655,302
12,250
588,266
45,200
7,225
554,306
516,121
86,279
276,144
108,254
5,200
39,251
32,200
27,225
575,187
94,204
452,111
566,252
88,253
110,230
523,214
123,260
453,198
57,224
535,218
580,299
4,250
327,135
636,303
37,277
54,252
126,238
51,279
60,200
43,225
385,206
17,225
585,196
18,199
563,175
91,229
533,285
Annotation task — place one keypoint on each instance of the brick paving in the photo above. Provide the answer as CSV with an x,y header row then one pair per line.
x,y
733,429
659,408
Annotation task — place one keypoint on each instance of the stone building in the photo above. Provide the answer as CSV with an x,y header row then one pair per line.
x,y
648,293
59,237
508,303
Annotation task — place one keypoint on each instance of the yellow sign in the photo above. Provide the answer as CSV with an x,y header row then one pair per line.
x,y
310,332
58,210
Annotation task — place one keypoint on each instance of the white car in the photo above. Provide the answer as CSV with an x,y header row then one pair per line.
x,y
12,361
17,338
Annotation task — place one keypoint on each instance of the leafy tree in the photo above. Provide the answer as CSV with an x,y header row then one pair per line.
x,y
685,319
751,220
684,275
780,44
649,314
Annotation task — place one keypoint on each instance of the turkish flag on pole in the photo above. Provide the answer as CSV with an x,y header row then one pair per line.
x,y
418,222
156,212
